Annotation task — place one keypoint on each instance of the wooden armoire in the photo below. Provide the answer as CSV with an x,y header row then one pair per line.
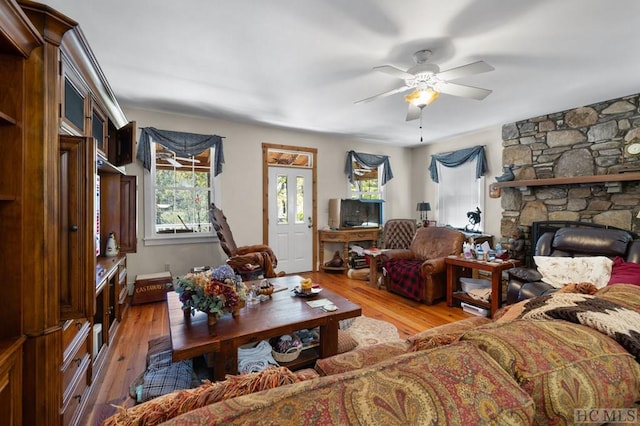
x,y
64,144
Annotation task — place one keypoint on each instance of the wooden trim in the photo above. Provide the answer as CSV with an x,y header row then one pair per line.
x,y
265,194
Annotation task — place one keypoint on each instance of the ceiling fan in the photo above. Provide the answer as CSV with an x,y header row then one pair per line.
x,y
171,158
428,82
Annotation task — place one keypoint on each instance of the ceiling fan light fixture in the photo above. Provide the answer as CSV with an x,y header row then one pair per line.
x,y
422,98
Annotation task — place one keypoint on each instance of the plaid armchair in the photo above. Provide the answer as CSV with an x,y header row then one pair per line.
x,y
419,272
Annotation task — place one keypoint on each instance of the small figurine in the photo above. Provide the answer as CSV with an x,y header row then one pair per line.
x,y
474,220
516,245
507,175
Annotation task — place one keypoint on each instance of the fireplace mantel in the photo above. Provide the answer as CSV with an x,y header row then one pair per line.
x,y
613,183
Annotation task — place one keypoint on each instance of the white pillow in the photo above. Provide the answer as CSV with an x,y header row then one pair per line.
x,y
559,271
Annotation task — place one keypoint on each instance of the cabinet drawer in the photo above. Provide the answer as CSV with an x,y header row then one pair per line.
x,y
75,394
72,365
71,330
368,235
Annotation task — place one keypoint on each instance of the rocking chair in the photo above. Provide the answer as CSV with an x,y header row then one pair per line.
x,y
245,260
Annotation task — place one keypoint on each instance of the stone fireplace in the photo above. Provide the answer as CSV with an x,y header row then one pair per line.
x,y
573,166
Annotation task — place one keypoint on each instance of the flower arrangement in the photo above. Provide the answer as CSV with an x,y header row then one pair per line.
x,y
214,292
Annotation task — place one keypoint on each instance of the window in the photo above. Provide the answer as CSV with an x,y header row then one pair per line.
x,y
178,192
459,192
367,184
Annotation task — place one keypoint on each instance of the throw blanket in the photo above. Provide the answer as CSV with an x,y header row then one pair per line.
x,y
406,277
614,320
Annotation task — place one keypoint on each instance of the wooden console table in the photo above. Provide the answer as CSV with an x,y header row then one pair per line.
x,y
345,236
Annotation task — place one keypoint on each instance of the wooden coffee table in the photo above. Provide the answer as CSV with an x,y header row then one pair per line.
x,y
284,313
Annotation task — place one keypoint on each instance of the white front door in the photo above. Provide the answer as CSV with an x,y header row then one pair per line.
x,y
290,212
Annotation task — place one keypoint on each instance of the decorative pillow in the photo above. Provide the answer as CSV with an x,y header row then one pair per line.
x,y
456,327
558,271
161,381
563,366
434,341
168,406
625,294
360,357
624,272
346,342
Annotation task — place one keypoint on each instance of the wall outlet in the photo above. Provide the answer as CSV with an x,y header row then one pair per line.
x,y
167,267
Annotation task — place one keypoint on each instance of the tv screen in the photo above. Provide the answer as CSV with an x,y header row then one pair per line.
x,y
360,213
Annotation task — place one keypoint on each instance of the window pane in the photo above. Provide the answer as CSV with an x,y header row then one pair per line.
x,y
299,199
73,105
182,193
282,199
458,193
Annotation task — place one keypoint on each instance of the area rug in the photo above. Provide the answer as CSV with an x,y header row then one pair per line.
x,y
370,331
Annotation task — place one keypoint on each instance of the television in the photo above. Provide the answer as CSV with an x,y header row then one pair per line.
x,y
348,213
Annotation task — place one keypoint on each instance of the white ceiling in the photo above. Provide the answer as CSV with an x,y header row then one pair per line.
x,y
303,63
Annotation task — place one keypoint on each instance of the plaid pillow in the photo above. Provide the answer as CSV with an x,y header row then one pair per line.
x,y
164,376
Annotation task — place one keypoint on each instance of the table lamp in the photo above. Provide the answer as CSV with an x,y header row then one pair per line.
x,y
423,208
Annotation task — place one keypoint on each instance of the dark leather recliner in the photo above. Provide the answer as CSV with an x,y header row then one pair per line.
x,y
525,283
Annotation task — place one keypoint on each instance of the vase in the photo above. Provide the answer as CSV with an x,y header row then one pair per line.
x,y
212,319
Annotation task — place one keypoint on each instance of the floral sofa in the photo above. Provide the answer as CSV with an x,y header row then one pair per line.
x,y
544,360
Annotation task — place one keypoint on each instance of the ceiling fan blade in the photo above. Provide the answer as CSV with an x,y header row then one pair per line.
x,y
465,70
385,94
463,91
413,112
191,160
393,71
173,162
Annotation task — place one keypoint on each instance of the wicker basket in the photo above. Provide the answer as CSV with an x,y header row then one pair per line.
x,y
292,354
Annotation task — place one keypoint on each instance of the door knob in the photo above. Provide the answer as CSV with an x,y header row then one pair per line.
x,y
73,228
310,225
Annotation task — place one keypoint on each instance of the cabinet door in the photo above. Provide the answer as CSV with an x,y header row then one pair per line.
x,y
128,214
123,151
75,101
77,232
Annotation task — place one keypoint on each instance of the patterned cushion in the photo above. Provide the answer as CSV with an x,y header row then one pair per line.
x,y
360,357
346,342
458,327
173,404
563,366
458,384
627,295
559,271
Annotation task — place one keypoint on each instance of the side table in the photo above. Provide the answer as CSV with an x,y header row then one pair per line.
x,y
373,257
345,236
459,267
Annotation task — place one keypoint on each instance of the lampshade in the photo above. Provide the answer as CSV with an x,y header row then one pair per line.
x,y
422,98
423,207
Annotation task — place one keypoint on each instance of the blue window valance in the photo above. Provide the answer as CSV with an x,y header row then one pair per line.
x,y
455,158
368,160
182,143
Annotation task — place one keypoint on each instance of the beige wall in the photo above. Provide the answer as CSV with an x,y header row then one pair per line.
x,y
241,183
242,187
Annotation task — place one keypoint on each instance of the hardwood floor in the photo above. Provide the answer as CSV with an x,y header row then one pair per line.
x,y
145,322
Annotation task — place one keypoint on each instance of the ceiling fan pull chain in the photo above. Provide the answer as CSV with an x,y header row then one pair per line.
x,y
421,124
